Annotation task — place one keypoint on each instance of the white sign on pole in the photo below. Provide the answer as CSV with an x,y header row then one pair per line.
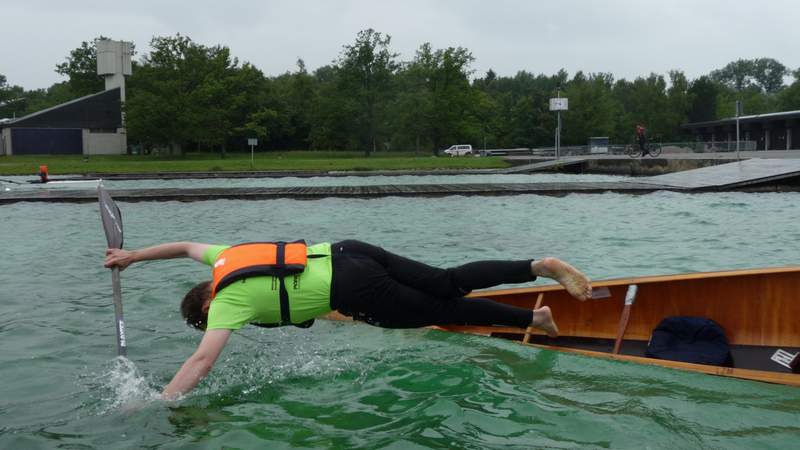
x,y
252,142
559,104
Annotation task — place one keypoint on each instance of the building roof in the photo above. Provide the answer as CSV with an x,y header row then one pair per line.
x,y
769,117
100,110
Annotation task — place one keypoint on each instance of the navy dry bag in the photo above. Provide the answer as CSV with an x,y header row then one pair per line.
x,y
690,339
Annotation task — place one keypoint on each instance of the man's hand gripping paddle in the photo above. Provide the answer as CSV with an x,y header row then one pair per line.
x,y
112,225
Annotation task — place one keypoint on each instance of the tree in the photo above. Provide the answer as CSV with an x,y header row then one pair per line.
x,y
333,109
80,68
411,111
520,115
703,93
299,99
157,104
765,74
452,103
768,74
736,75
264,112
754,101
201,97
366,73
645,101
679,102
12,100
184,92
484,109
593,108
216,99
789,98
293,96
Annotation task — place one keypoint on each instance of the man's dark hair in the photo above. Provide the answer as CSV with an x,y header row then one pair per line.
x,y
192,305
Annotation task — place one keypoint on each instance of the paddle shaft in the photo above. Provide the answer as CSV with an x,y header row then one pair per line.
x,y
122,348
630,297
111,218
623,325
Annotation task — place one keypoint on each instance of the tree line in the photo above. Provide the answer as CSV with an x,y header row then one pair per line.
x,y
368,99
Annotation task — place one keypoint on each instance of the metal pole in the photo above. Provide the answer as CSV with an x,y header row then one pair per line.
x,y
737,137
738,113
251,156
558,135
558,126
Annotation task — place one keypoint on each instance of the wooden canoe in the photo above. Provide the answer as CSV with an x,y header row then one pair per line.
x,y
759,310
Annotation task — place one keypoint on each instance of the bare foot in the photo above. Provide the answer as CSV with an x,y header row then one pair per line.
x,y
576,283
543,320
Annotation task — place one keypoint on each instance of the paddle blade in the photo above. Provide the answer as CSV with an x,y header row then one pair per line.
x,y
112,218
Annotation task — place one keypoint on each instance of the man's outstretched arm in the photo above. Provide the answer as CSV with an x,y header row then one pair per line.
x,y
116,257
198,365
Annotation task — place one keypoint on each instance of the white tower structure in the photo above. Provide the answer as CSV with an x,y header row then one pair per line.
x,y
114,63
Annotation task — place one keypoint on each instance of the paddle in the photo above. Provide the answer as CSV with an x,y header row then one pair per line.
x,y
112,225
630,297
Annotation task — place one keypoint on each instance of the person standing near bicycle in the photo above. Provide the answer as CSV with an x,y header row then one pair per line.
x,y
641,139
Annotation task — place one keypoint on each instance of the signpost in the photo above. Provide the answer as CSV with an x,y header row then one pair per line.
x,y
558,104
252,142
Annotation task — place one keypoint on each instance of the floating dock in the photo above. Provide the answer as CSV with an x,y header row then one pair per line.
x,y
730,176
544,165
751,175
135,176
316,192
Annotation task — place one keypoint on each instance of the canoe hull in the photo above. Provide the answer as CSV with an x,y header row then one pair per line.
x,y
758,309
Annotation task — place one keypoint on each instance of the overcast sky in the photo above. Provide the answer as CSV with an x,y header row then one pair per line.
x,y
627,38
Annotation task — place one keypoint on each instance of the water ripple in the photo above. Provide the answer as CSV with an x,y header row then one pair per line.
x,y
355,386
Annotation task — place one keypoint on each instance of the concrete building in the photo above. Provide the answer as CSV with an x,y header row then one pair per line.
x,y
90,125
773,131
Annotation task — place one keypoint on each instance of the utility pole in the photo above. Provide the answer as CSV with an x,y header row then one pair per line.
x,y
558,127
738,113
558,104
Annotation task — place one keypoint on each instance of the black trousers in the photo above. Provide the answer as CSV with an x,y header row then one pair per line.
x,y
390,291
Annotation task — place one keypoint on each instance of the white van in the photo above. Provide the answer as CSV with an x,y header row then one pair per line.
x,y
459,150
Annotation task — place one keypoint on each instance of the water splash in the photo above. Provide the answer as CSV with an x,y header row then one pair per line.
x,y
124,388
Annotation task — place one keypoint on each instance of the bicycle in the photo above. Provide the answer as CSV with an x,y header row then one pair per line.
x,y
653,149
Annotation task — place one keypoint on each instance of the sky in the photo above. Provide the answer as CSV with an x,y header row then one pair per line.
x,y
627,38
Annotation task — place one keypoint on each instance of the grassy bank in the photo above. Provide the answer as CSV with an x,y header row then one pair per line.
x,y
280,161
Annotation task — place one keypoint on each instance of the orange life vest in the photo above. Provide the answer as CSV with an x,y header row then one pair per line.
x,y
277,259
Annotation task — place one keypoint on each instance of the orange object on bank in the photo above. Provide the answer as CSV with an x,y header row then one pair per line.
x,y
43,175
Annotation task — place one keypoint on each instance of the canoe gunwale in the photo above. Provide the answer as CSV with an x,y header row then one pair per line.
x,y
648,279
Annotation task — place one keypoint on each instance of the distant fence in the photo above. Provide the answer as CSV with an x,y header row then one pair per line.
x,y
506,151
619,149
721,146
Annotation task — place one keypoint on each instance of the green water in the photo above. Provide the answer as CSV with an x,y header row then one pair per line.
x,y
354,386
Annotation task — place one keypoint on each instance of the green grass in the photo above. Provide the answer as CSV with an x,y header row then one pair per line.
x,y
206,162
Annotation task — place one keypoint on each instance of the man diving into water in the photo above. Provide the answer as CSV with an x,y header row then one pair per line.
x,y
274,284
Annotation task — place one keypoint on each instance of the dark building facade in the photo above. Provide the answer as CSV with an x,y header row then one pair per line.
x,y
87,125
773,131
